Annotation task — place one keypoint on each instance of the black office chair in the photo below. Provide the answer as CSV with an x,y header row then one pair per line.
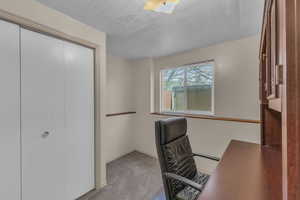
x,y
180,177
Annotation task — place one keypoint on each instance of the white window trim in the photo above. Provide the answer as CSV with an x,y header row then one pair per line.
x,y
189,112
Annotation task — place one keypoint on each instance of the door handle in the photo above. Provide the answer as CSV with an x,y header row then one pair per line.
x,y
45,134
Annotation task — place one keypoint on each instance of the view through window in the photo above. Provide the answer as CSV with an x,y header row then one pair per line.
x,y
188,89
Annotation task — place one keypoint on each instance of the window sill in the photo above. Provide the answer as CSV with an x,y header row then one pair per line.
x,y
208,117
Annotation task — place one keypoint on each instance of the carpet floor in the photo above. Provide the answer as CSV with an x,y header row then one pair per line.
x,y
135,176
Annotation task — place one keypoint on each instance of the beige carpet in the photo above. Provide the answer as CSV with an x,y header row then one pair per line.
x,y
135,176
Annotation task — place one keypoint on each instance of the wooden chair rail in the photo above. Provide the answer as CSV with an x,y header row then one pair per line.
x,y
208,117
118,114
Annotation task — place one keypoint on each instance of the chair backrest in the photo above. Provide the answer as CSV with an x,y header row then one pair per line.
x,y
175,153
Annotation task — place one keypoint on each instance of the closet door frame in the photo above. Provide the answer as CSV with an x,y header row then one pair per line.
x,y
99,173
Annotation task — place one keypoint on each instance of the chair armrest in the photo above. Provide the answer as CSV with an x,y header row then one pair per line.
x,y
207,156
185,181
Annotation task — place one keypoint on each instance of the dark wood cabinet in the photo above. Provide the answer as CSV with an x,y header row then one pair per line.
x,y
272,79
280,88
270,76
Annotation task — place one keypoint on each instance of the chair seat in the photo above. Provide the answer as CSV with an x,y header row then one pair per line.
x,y
189,193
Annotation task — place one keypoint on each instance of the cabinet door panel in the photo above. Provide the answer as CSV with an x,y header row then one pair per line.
x,y
43,117
273,46
79,119
273,70
9,112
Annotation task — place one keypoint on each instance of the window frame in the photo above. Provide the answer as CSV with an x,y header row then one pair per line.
x,y
189,112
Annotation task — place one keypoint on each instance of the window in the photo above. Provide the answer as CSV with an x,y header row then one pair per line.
x,y
188,89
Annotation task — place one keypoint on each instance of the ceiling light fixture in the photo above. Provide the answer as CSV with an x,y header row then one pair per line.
x,y
164,6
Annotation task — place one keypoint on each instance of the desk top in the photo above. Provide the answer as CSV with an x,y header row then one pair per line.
x,y
247,171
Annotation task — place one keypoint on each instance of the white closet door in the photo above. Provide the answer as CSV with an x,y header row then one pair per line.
x,y
80,119
9,112
44,146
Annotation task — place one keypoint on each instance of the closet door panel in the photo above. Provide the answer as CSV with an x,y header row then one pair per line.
x,y
80,119
43,117
9,112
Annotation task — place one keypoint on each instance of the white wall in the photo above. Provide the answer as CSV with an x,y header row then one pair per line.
x,y
236,75
120,96
120,84
236,95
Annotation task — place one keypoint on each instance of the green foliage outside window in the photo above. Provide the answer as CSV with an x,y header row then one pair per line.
x,y
188,88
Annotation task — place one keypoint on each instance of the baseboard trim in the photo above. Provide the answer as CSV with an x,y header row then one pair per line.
x,y
88,195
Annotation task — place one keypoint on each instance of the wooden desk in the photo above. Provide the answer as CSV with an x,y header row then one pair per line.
x,y
247,171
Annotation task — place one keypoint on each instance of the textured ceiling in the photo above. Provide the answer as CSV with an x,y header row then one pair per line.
x,y
136,33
